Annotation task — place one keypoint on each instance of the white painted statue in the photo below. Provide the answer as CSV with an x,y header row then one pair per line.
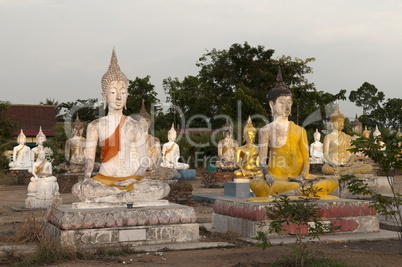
x,y
43,190
74,150
153,143
316,149
21,154
40,139
124,151
377,138
227,149
171,153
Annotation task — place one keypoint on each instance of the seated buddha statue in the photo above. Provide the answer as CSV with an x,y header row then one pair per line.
x,y
339,160
377,138
316,151
285,146
247,155
21,154
123,150
171,153
40,139
227,149
74,149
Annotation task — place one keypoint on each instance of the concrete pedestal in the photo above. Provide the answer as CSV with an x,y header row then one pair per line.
x,y
186,174
238,189
244,218
89,228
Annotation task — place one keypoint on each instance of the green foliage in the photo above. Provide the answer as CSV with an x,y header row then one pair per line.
x,y
138,90
367,96
7,128
302,213
88,110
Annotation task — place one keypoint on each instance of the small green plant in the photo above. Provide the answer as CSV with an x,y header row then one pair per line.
x,y
304,214
389,157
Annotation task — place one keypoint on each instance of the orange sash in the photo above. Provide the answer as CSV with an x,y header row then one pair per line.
x,y
111,146
110,181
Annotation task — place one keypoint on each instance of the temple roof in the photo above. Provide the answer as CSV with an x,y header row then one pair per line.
x,y
30,117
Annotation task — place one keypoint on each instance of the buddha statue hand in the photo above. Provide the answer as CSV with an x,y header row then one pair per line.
x,y
268,178
125,182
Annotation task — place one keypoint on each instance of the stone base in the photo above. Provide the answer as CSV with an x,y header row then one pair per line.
x,y
216,178
186,174
90,228
104,205
67,180
379,184
238,189
23,175
244,218
181,193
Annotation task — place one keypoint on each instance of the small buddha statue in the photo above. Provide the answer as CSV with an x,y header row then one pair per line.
x,y
247,155
357,127
316,149
153,143
123,151
366,132
399,133
74,149
171,153
227,149
377,138
339,160
285,146
40,139
43,189
21,154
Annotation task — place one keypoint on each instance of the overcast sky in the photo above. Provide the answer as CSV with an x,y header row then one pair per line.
x,y
60,49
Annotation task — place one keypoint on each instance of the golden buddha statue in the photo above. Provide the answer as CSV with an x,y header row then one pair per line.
x,y
286,146
339,160
247,155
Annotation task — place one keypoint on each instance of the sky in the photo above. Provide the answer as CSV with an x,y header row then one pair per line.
x,y
60,49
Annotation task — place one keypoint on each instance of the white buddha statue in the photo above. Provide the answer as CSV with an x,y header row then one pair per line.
x,y
316,149
153,143
377,138
171,153
124,151
43,189
21,154
40,139
227,149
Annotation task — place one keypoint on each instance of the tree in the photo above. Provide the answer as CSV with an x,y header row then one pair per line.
x,y
368,97
88,110
7,128
138,90
390,113
244,73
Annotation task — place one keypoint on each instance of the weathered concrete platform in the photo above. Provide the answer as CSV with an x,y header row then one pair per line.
x,y
88,228
244,218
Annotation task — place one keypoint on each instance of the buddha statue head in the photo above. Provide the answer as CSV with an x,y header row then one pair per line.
x,y
280,98
40,137
78,127
376,133
145,117
337,119
317,135
249,132
356,125
21,138
366,133
227,130
399,134
172,135
114,86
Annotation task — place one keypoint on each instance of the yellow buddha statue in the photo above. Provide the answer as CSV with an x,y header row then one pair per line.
x,y
247,155
285,146
339,160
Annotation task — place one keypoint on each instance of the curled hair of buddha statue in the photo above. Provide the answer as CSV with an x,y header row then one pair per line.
x,y
40,134
279,89
249,127
113,73
336,115
144,113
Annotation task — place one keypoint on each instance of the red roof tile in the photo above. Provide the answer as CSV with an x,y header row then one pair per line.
x,y
31,117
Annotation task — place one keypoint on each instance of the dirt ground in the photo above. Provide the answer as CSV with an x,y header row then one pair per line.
x,y
376,253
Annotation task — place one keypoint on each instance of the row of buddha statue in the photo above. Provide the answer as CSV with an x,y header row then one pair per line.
x,y
279,163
